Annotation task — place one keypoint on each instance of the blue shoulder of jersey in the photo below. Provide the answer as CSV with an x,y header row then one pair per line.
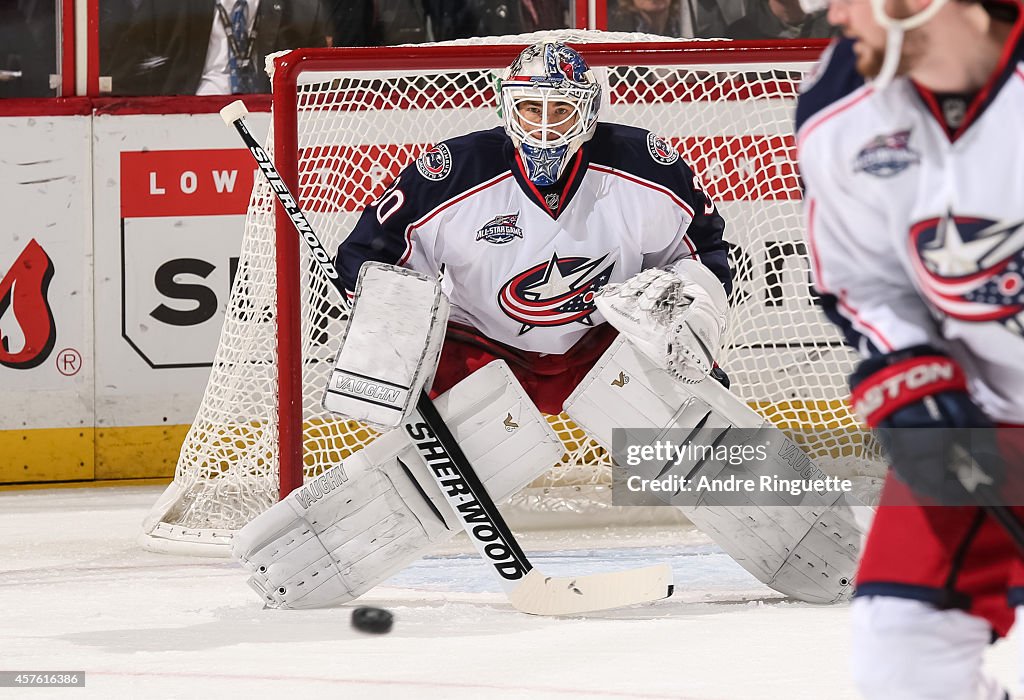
x,y
653,159
440,175
833,78
643,154
453,167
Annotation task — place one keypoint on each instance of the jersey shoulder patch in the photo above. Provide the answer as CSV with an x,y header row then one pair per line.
x,y
464,156
435,164
452,167
833,78
661,150
636,151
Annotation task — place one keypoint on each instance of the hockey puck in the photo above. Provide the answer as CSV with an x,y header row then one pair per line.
x,y
374,620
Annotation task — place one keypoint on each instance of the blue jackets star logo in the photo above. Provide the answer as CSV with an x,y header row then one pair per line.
x,y
556,292
971,269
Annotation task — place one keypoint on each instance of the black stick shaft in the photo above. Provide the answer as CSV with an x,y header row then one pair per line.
x,y
291,206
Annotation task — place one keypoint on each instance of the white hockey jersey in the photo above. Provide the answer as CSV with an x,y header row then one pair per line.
x,y
521,265
916,227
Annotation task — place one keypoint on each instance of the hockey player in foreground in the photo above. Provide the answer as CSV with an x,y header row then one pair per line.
x,y
537,231
916,226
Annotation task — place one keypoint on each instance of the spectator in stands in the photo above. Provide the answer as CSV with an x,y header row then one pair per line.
x,y
780,19
716,19
461,19
661,17
378,22
201,47
28,48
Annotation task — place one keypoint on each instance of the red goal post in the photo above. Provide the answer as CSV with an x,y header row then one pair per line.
x,y
346,121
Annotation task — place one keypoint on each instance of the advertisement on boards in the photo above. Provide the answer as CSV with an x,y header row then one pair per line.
x,y
47,362
172,191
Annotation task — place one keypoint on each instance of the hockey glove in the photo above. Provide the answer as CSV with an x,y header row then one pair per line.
x,y
674,316
937,440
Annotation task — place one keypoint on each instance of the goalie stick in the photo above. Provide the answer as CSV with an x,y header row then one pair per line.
x,y
528,589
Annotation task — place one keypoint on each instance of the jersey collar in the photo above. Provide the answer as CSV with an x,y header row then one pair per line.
x,y
566,190
1013,53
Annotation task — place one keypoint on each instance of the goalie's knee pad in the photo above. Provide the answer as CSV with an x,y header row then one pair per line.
x,y
358,523
910,650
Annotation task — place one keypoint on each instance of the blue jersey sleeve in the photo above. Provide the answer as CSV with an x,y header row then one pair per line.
x,y
440,175
833,78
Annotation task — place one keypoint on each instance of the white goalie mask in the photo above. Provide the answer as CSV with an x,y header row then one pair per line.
x,y
549,101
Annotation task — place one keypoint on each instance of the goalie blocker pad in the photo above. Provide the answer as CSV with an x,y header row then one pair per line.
x,y
804,546
390,346
352,527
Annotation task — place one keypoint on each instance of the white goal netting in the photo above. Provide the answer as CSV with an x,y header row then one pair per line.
x,y
356,129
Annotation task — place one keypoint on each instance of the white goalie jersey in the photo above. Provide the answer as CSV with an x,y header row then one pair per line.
x,y
522,264
916,220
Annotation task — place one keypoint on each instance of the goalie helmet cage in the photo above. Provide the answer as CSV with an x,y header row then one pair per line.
x,y
346,121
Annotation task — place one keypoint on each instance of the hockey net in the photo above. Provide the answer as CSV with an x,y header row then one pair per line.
x,y
346,121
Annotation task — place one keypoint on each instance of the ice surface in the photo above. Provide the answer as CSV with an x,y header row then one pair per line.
x,y
76,593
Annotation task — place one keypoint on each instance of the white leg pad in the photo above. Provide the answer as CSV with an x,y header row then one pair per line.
x,y
360,522
909,650
805,546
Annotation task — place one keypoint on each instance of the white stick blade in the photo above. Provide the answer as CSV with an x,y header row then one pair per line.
x,y
233,112
538,594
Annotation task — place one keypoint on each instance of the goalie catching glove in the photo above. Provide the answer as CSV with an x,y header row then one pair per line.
x,y
937,439
674,316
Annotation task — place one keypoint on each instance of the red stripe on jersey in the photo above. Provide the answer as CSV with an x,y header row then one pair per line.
x,y
657,188
865,327
577,158
833,111
646,183
982,96
1004,60
933,106
434,212
568,182
842,305
693,249
812,247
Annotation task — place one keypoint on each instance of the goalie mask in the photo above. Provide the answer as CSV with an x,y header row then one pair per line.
x,y
549,100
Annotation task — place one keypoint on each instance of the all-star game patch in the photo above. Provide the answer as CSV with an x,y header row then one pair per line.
x,y
661,150
887,155
500,229
436,163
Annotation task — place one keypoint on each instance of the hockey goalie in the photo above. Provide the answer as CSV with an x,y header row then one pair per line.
x,y
551,237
